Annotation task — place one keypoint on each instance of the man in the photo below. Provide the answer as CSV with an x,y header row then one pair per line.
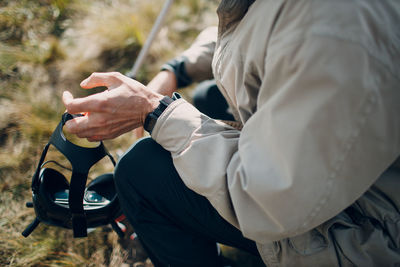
x,y
312,177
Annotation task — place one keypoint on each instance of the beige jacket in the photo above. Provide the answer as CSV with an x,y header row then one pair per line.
x,y
316,85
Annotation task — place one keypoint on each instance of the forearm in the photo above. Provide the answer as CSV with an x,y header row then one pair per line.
x,y
194,65
163,83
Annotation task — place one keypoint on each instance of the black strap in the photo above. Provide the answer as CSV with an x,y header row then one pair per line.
x,y
35,178
82,159
75,201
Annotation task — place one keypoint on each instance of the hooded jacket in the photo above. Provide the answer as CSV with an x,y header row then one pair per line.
x,y
316,86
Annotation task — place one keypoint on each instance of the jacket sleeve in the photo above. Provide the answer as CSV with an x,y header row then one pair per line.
x,y
325,128
194,65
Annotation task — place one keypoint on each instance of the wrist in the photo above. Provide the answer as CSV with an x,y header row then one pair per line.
x,y
153,102
153,116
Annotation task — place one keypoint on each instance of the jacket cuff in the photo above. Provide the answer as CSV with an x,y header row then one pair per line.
x,y
175,126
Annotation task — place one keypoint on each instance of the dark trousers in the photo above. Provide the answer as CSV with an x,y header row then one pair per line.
x,y
176,226
208,99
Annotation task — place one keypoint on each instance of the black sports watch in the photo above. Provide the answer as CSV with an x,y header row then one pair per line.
x,y
152,117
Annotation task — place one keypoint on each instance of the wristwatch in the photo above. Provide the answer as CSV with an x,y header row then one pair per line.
x,y
152,117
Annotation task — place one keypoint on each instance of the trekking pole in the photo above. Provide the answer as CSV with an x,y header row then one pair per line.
x,y
153,33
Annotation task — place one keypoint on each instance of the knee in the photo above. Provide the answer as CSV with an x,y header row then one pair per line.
x,y
136,167
131,165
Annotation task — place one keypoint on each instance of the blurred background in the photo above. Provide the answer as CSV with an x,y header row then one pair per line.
x,y
46,47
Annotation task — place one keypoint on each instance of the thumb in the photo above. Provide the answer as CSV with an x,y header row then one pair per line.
x,y
96,79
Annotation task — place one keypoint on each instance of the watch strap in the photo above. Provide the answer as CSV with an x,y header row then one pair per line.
x,y
152,117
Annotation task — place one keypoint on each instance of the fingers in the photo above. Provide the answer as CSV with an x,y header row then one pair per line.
x,y
96,127
109,113
95,124
120,129
108,79
87,125
92,103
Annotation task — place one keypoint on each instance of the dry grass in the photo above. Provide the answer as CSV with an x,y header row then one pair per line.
x,y
47,46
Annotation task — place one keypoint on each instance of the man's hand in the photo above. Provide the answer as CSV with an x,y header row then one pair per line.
x,y
121,108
